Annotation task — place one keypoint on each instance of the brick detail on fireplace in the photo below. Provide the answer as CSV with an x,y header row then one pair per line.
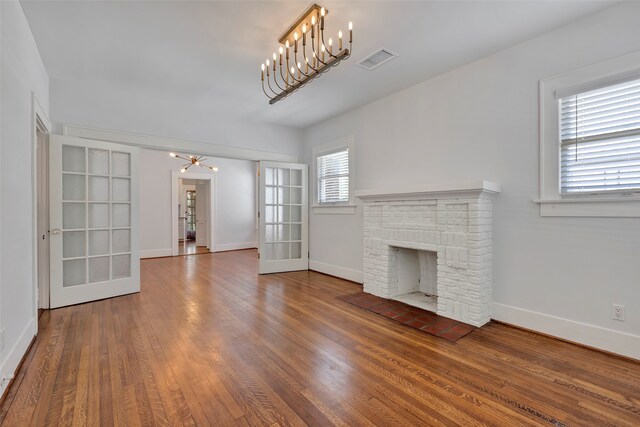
x,y
457,229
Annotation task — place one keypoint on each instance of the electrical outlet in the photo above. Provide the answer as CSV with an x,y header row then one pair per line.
x,y
617,312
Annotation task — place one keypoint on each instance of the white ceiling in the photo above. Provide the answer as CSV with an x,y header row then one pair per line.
x,y
207,54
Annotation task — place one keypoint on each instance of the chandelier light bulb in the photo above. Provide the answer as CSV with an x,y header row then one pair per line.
x,y
293,70
287,44
274,57
313,20
340,34
298,64
330,41
281,50
197,163
263,66
350,25
172,154
304,28
267,62
295,36
322,11
215,169
322,48
183,170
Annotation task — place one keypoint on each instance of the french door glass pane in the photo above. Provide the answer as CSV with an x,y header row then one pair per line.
x,y
73,215
121,216
98,269
98,242
283,176
121,241
73,187
74,272
98,215
296,177
296,232
73,244
296,250
296,196
73,159
121,190
98,161
295,214
98,188
120,164
277,251
121,266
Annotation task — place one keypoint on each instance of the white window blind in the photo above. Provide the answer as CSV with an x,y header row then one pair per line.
x,y
600,140
333,177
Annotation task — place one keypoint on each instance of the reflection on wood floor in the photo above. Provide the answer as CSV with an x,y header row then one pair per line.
x,y
208,342
188,247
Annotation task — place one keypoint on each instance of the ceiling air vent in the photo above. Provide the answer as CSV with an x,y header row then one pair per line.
x,y
376,59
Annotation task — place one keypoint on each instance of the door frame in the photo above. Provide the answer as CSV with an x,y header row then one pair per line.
x,y
212,226
39,123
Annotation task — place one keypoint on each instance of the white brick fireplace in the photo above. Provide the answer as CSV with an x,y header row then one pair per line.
x,y
431,248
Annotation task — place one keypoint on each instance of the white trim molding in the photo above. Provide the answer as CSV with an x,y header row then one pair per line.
x,y
156,253
14,356
236,246
551,202
583,333
167,144
336,270
439,191
39,121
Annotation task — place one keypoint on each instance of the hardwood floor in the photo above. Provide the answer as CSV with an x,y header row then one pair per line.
x,y
208,342
188,247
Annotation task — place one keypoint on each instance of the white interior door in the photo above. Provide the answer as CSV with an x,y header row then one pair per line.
x,y
94,220
202,188
284,220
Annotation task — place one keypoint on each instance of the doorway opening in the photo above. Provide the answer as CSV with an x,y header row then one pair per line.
x,y
193,213
192,222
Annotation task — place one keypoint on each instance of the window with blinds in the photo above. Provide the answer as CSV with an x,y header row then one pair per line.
x,y
333,177
600,140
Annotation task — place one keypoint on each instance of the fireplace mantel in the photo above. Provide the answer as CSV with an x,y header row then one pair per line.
x,y
434,191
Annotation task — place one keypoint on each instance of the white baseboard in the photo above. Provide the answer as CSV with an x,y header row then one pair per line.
x,y
593,336
156,253
335,270
14,356
236,246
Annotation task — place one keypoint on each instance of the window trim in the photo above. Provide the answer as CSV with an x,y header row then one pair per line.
x,y
347,207
552,202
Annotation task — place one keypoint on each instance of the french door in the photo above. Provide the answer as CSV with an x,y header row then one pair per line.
x,y
284,236
93,219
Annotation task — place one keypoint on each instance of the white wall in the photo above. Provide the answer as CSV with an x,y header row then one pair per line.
x,y
117,109
235,203
21,73
555,275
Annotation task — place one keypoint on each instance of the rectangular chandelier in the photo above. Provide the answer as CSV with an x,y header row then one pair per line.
x,y
288,73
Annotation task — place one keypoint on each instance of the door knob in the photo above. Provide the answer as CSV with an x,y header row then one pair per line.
x,y
55,231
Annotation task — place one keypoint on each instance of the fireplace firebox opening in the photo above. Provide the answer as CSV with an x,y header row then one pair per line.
x,y
417,278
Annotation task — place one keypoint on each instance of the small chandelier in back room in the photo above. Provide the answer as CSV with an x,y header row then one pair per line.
x,y
193,161
288,73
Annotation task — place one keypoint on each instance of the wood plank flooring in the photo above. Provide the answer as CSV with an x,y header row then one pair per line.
x,y
209,342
